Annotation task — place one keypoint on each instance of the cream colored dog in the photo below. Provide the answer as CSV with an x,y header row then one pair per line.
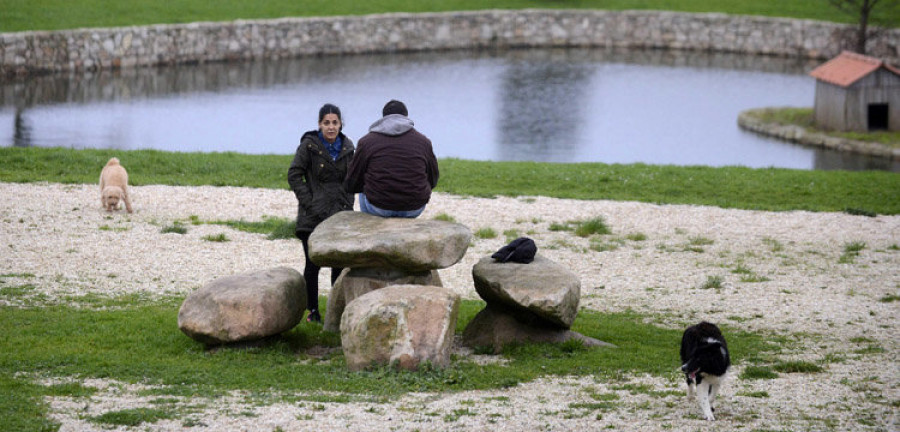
x,y
114,186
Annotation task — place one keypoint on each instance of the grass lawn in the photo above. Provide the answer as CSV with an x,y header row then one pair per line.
x,y
132,340
728,187
23,15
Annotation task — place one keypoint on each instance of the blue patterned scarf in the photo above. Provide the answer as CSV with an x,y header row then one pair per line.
x,y
334,149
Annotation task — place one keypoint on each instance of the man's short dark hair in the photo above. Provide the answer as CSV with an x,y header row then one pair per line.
x,y
394,107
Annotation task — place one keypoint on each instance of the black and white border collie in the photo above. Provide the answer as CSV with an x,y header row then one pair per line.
x,y
704,361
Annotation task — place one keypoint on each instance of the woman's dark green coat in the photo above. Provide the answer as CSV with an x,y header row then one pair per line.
x,y
316,180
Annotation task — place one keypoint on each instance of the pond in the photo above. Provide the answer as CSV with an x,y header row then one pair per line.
x,y
553,105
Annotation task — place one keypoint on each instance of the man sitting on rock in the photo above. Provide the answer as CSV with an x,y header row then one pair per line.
x,y
394,169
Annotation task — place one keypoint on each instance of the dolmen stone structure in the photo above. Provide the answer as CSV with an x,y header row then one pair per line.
x,y
534,302
390,326
244,307
379,252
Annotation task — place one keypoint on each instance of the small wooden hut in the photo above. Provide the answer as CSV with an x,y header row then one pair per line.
x,y
857,93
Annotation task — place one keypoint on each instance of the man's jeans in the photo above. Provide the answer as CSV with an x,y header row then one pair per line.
x,y
366,207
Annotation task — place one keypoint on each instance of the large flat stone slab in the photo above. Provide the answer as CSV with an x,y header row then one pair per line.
x,y
355,239
542,289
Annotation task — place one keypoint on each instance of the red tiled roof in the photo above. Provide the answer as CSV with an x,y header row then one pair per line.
x,y
848,68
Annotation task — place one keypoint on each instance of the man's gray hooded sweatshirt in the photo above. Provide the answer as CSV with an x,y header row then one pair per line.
x,y
394,165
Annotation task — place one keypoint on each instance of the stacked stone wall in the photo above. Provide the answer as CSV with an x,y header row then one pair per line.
x,y
124,47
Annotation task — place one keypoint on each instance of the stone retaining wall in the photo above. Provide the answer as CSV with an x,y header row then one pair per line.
x,y
122,47
749,120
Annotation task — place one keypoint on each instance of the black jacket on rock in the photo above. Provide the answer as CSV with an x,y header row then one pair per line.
x,y
394,165
317,180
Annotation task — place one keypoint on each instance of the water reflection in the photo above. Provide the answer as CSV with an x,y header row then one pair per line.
x,y
563,105
542,107
22,134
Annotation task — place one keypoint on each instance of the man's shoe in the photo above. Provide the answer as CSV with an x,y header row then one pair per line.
x,y
314,316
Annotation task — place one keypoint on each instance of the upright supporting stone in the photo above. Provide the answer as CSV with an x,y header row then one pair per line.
x,y
355,282
495,329
403,325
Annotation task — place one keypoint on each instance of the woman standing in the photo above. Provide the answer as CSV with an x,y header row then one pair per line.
x,y
315,176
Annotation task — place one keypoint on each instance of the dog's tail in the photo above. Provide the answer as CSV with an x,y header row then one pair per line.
x,y
113,161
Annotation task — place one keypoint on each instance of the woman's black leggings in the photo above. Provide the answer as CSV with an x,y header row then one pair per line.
x,y
311,275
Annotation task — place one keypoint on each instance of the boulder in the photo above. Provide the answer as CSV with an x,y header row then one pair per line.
x,y
355,239
354,282
401,325
244,307
541,290
493,328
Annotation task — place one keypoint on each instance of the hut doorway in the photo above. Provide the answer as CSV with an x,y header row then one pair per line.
x,y
878,116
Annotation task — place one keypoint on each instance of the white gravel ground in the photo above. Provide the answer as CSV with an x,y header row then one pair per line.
x,y
658,261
